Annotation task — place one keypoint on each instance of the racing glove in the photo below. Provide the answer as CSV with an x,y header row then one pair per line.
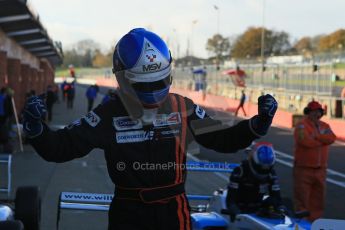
x,y
267,107
233,211
33,116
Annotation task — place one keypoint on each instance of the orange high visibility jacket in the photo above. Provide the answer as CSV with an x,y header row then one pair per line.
x,y
312,143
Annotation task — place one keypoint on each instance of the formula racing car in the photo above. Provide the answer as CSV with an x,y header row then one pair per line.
x,y
24,212
209,213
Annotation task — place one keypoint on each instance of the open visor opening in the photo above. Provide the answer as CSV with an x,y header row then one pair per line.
x,y
152,86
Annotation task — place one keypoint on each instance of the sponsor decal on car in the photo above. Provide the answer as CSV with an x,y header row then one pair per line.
x,y
126,123
275,187
167,119
92,119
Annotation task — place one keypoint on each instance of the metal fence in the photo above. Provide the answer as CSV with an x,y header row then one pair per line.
x,y
293,85
294,78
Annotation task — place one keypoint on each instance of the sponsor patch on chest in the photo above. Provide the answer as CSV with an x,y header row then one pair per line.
x,y
92,119
126,123
167,119
134,136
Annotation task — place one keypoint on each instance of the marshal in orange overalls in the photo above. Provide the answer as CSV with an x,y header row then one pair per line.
x,y
312,140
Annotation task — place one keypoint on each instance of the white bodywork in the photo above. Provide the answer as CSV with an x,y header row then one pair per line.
x,y
248,221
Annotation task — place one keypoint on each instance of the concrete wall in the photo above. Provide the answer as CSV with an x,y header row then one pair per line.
x,y
21,71
292,102
25,81
14,50
3,67
14,76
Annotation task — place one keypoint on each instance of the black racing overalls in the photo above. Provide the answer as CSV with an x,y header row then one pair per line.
x,y
149,190
247,190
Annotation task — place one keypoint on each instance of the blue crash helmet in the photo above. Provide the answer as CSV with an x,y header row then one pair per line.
x,y
142,60
262,158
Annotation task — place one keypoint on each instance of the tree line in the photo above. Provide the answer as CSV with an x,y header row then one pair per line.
x,y
87,53
248,44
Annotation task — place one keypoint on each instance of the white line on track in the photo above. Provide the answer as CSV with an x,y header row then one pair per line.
x,y
286,163
340,143
221,175
329,171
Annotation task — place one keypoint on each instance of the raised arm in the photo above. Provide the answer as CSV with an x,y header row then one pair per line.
x,y
76,140
224,138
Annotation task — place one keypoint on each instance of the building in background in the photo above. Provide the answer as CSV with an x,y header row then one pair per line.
x,y
28,55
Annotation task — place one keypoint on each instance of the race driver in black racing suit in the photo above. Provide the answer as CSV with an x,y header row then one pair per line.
x,y
144,126
254,186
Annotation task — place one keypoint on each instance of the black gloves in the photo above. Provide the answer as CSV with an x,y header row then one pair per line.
x,y
267,107
33,116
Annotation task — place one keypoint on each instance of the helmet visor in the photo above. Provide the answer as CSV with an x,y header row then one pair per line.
x,y
152,86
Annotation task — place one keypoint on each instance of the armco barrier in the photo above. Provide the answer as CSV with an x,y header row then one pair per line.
x,y
283,118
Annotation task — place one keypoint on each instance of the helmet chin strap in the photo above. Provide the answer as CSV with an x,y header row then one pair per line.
x,y
149,115
132,104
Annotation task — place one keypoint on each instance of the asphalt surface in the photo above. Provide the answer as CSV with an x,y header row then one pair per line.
x,y
282,140
89,174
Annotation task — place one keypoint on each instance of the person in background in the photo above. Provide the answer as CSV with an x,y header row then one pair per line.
x,y
110,94
312,139
50,100
342,95
71,71
55,88
63,88
96,87
70,93
252,180
241,105
6,112
91,95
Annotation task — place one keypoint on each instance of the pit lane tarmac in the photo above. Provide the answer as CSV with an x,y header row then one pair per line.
x,y
89,174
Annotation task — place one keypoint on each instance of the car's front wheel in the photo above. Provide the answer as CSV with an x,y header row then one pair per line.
x,y
28,207
11,225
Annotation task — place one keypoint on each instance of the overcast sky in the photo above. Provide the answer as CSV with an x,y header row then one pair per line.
x,y
105,21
